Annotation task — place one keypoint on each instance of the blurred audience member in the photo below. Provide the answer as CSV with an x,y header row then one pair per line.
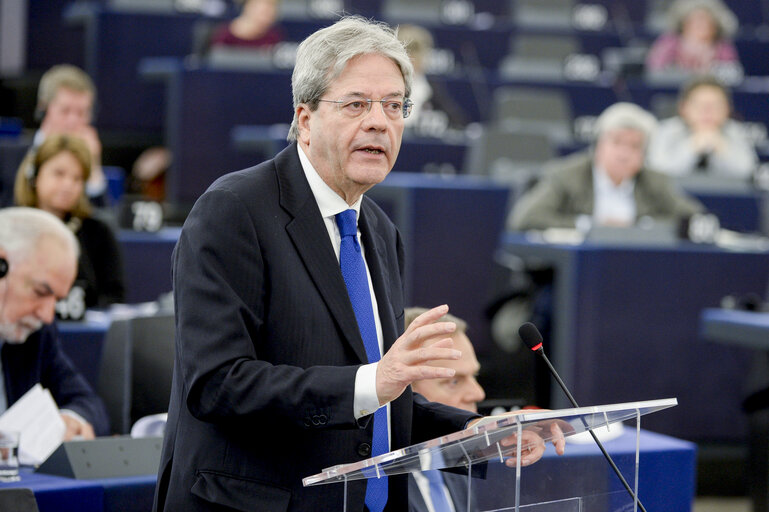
x,y
37,264
698,40
606,185
65,101
255,27
52,178
434,111
462,391
702,138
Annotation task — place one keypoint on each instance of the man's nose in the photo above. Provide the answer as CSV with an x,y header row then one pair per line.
x,y
46,309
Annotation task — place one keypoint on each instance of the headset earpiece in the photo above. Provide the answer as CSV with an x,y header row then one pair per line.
x,y
3,267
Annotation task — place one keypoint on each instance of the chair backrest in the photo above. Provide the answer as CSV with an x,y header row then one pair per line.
x,y
542,13
534,110
18,500
508,155
136,369
537,56
543,46
416,11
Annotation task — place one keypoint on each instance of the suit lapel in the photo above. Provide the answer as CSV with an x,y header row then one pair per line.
x,y
376,257
309,235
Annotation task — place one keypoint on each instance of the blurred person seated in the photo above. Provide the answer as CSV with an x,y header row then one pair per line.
x,y
65,101
52,178
605,185
702,138
38,261
462,391
698,40
255,27
434,111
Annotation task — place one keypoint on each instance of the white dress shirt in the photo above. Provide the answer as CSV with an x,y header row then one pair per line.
x,y
330,203
613,203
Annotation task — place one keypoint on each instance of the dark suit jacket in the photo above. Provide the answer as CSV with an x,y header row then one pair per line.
x,y
457,486
41,359
566,191
267,348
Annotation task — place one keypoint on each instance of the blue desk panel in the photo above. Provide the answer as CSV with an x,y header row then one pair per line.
x,y
83,343
748,329
147,261
625,327
666,477
59,494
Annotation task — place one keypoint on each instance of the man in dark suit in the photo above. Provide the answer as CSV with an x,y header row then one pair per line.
x,y
274,379
38,263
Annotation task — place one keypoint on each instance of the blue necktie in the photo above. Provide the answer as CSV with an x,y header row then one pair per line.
x,y
437,495
354,274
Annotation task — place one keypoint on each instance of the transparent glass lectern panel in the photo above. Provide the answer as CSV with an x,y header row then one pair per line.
x,y
483,443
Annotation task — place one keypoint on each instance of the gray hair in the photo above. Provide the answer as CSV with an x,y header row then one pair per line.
x,y
625,115
322,57
412,313
22,228
726,21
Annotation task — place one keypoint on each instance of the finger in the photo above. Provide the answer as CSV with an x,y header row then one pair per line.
x,y
423,334
87,431
428,317
559,441
415,373
431,353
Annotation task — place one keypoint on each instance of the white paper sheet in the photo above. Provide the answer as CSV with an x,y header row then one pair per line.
x,y
36,416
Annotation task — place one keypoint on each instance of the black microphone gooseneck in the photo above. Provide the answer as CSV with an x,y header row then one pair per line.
x,y
531,336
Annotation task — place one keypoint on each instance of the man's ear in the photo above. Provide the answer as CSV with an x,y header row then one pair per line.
x,y
303,115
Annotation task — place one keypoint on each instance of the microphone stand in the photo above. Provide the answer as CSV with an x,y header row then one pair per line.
x,y
541,352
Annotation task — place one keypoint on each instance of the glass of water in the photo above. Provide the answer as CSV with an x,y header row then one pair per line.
x,y
9,456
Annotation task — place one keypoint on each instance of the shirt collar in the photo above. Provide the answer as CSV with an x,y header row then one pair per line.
x,y
603,182
329,202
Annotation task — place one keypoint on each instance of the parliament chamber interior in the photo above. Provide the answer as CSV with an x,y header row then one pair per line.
x,y
647,311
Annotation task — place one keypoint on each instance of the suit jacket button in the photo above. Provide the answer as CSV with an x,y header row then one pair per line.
x,y
323,419
364,450
315,420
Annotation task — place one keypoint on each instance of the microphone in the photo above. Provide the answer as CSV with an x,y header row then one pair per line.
x,y
531,336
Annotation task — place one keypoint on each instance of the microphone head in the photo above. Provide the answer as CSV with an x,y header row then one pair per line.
x,y
530,336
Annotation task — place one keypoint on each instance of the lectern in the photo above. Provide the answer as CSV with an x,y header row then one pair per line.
x,y
563,486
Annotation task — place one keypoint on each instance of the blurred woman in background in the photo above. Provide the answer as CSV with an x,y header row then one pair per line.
x,y
699,39
703,138
52,177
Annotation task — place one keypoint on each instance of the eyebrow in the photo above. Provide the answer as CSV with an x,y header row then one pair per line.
x,y
47,289
362,95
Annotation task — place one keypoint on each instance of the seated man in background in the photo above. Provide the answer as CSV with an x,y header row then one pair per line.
x,y
702,139
65,101
432,490
606,185
38,264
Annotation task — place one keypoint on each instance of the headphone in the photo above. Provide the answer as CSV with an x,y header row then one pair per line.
x,y
30,172
3,267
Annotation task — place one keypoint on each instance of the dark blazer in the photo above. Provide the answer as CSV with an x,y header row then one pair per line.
x,y
457,486
566,191
41,359
267,348
100,268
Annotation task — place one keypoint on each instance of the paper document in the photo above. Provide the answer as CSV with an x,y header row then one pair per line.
x,y
36,416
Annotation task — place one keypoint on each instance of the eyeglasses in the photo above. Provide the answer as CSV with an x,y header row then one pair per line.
x,y
393,108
